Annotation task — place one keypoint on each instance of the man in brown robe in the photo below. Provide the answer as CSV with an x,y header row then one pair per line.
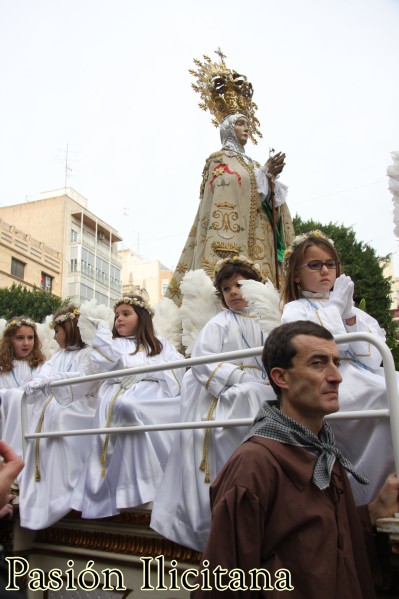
x,y
284,522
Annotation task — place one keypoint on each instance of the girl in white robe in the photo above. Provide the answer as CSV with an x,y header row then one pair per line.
x,y
124,470
20,360
52,465
220,391
316,290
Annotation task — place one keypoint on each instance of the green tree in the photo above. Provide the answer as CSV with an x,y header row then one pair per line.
x,y
35,303
361,263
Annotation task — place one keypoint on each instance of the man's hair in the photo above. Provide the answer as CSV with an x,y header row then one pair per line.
x,y
279,349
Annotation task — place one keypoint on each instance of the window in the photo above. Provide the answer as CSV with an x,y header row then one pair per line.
x,y
87,263
101,298
17,268
46,282
86,293
74,235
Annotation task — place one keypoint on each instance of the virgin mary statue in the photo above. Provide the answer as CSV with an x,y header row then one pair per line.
x,y
242,206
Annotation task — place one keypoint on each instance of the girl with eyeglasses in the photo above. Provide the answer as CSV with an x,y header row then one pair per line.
x,y
316,290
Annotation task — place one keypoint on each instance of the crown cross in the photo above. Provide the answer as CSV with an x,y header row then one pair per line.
x,y
220,54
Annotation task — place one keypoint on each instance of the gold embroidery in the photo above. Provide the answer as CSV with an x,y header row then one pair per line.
x,y
182,267
37,442
254,203
225,204
214,371
106,441
204,466
208,267
223,249
117,543
224,223
174,288
102,354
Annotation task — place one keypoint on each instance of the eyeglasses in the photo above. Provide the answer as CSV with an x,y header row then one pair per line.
x,y
318,264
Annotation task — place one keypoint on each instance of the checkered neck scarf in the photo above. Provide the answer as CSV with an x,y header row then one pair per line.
x,y
271,423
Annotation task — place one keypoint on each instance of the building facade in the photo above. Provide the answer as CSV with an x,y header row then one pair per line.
x,y
27,261
90,264
138,273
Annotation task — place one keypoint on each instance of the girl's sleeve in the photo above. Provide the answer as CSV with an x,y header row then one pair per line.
x,y
50,373
82,367
328,316
215,377
106,355
173,378
364,351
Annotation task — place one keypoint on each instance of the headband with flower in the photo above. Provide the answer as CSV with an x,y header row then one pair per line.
x,y
64,317
298,240
237,260
132,301
20,323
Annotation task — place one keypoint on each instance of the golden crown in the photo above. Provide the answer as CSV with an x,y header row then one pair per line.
x,y
225,92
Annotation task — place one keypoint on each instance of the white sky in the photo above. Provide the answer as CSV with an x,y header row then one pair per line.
x,y
109,78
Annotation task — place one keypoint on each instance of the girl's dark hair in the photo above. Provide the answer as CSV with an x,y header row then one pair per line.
x,y
145,335
228,271
291,290
7,355
70,326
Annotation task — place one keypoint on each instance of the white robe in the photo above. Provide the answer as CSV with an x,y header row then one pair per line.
x,y
367,443
134,461
236,389
61,459
11,393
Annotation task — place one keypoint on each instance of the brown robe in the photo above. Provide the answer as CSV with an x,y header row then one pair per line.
x,y
267,513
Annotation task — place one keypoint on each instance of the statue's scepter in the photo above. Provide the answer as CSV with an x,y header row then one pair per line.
x,y
275,165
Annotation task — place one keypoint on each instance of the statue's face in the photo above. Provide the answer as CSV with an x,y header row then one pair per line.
x,y
241,130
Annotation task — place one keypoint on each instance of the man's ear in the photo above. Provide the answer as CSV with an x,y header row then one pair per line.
x,y
279,377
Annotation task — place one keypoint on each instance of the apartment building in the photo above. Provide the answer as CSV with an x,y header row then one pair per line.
x,y
28,261
87,246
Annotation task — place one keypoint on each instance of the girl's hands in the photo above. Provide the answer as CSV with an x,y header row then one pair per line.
x,y
342,295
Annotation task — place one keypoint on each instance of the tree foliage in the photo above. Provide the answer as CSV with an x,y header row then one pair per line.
x,y
35,303
361,263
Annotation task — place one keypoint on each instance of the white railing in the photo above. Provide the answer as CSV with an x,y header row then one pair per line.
x,y
389,372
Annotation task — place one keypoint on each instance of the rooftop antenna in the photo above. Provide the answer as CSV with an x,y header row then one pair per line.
x,y
126,214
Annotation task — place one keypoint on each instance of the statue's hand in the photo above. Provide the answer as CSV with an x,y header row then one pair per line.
x,y
275,164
